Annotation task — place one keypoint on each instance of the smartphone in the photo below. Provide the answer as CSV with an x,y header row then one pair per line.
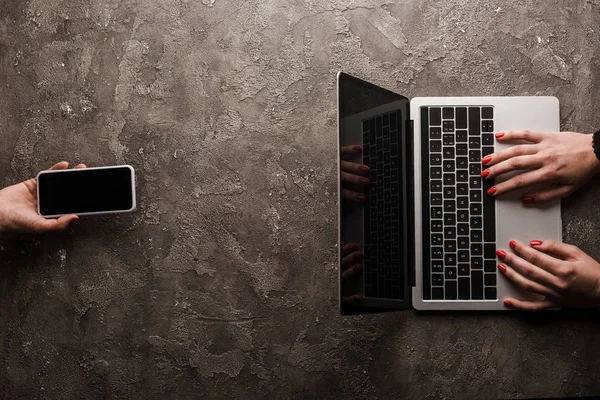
x,y
86,191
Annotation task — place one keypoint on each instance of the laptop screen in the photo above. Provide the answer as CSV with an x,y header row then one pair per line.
x,y
373,182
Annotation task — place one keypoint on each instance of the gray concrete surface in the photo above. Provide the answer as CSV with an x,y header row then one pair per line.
x,y
223,283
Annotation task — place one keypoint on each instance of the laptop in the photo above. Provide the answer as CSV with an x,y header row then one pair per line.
x,y
422,232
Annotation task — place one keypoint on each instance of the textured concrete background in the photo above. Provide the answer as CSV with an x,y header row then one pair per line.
x,y
223,283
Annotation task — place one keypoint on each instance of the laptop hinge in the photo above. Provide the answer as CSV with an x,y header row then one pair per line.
x,y
411,215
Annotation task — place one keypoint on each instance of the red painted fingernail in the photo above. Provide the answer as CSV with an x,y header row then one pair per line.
x,y
357,268
362,197
492,191
500,253
507,303
486,159
363,168
485,173
502,268
364,180
536,242
512,244
357,148
528,200
499,135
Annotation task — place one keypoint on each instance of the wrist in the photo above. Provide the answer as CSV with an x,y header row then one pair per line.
x,y
595,144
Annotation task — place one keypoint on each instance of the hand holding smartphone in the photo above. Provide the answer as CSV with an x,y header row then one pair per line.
x,y
89,191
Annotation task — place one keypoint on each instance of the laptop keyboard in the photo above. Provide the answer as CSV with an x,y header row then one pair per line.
x,y
459,232
383,272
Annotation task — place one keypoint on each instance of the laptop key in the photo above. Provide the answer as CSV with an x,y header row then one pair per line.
x,y
475,182
449,179
477,285
435,159
461,117
462,176
450,273
437,293
448,139
450,246
475,195
435,146
437,253
462,149
475,208
448,126
449,260
463,269
448,112
461,137
436,212
476,235
464,290
437,279
462,202
489,265
477,262
449,192
448,153
462,229
475,169
474,121
449,218
449,205
436,172
448,166
489,279
462,189
476,249
490,293
437,226
462,216
435,116
475,156
487,112
437,266
450,232
474,142
487,126
463,242
486,151
436,199
436,185
462,162
435,133
463,256
450,290
489,250
487,139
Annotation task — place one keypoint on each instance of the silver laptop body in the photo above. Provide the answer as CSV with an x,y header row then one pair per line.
x,y
513,220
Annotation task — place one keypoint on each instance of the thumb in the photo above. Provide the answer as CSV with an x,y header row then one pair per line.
x,y
59,224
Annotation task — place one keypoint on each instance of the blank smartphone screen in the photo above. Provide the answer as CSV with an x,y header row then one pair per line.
x,y
86,191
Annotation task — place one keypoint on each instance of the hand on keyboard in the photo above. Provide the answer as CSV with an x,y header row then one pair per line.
x,y
354,175
351,270
561,162
560,273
